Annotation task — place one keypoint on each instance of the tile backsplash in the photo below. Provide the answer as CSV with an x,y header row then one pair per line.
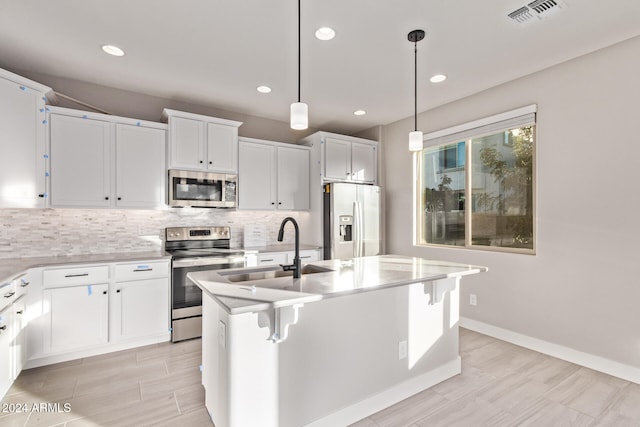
x,y
52,232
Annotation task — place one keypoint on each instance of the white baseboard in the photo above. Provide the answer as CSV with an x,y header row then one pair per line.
x,y
390,396
601,364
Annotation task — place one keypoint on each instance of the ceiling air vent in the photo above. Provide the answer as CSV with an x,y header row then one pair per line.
x,y
536,11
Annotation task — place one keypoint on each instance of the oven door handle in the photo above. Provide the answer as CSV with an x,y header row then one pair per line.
x,y
193,262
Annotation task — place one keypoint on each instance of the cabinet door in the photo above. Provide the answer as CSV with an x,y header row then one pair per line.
x,y
222,148
19,350
186,139
76,317
363,162
337,159
140,166
80,162
293,178
256,176
6,332
22,163
140,309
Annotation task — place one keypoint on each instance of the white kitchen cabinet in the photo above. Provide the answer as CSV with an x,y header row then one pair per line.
x,y
76,317
273,175
140,301
19,342
272,258
6,332
202,143
306,256
80,161
140,166
105,161
22,142
349,160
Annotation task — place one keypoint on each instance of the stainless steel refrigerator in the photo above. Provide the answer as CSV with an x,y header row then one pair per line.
x,y
351,220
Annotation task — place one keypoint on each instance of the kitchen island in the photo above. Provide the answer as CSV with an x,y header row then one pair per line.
x,y
345,340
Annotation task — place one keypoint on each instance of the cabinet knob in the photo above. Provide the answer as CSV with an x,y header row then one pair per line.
x,y
106,198
118,291
273,203
104,292
119,198
41,195
279,203
3,327
200,161
210,163
19,312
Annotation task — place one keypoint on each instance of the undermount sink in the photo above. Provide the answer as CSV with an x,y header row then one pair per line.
x,y
270,273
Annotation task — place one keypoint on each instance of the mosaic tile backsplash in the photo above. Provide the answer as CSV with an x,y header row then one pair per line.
x,y
53,232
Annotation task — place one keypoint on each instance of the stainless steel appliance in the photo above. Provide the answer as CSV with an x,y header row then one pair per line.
x,y
351,220
195,249
202,189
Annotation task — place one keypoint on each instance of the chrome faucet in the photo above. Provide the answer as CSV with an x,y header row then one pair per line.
x,y
296,260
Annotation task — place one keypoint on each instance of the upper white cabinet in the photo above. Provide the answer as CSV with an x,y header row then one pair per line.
x,y
273,175
105,161
202,143
22,142
344,158
140,166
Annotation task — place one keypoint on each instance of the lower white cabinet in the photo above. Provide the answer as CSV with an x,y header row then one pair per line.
x,y
276,258
6,331
76,317
19,351
95,309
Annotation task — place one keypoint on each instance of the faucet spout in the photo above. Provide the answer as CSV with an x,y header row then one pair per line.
x,y
296,266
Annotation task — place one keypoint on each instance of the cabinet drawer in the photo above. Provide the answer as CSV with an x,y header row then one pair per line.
x,y
76,276
7,293
305,256
141,270
272,258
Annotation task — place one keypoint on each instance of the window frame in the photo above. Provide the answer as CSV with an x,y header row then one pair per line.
x,y
439,139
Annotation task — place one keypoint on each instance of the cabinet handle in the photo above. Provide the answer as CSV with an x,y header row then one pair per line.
x,y
104,292
308,256
77,275
106,198
119,198
210,163
24,284
137,270
118,291
9,294
41,195
19,312
200,161
273,203
279,203
3,328
266,260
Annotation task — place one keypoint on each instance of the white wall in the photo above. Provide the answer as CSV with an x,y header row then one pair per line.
x,y
582,289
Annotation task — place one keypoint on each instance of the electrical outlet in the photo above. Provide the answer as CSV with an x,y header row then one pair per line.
x,y
402,350
222,334
473,299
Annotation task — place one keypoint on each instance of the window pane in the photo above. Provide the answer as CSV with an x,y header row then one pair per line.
x,y
502,189
442,191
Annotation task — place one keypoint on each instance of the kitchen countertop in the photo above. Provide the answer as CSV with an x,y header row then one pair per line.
x,y
13,267
347,276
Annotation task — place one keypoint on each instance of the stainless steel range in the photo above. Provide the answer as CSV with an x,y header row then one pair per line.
x,y
195,249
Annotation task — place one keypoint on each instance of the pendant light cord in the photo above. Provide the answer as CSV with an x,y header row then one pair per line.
x,y
299,51
415,85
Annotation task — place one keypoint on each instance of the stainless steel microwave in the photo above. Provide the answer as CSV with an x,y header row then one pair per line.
x,y
202,189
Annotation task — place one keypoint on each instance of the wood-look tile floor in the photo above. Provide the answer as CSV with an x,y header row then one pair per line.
x,y
501,385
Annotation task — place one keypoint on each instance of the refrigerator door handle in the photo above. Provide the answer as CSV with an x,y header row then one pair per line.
x,y
357,224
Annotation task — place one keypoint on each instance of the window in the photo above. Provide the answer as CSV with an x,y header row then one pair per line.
x,y
476,184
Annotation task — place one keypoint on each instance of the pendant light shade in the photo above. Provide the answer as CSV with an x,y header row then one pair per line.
x,y
415,137
299,116
299,110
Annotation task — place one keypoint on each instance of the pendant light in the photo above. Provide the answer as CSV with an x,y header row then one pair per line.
x,y
415,137
299,110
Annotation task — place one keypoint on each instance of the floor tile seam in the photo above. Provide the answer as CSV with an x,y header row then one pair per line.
x,y
175,399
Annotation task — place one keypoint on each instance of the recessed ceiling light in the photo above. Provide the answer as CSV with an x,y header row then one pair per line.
x,y
325,33
359,113
438,78
263,89
112,50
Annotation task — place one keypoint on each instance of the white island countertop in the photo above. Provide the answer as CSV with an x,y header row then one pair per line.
x,y
331,278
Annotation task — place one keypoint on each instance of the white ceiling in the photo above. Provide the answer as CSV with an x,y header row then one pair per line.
x,y
216,53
